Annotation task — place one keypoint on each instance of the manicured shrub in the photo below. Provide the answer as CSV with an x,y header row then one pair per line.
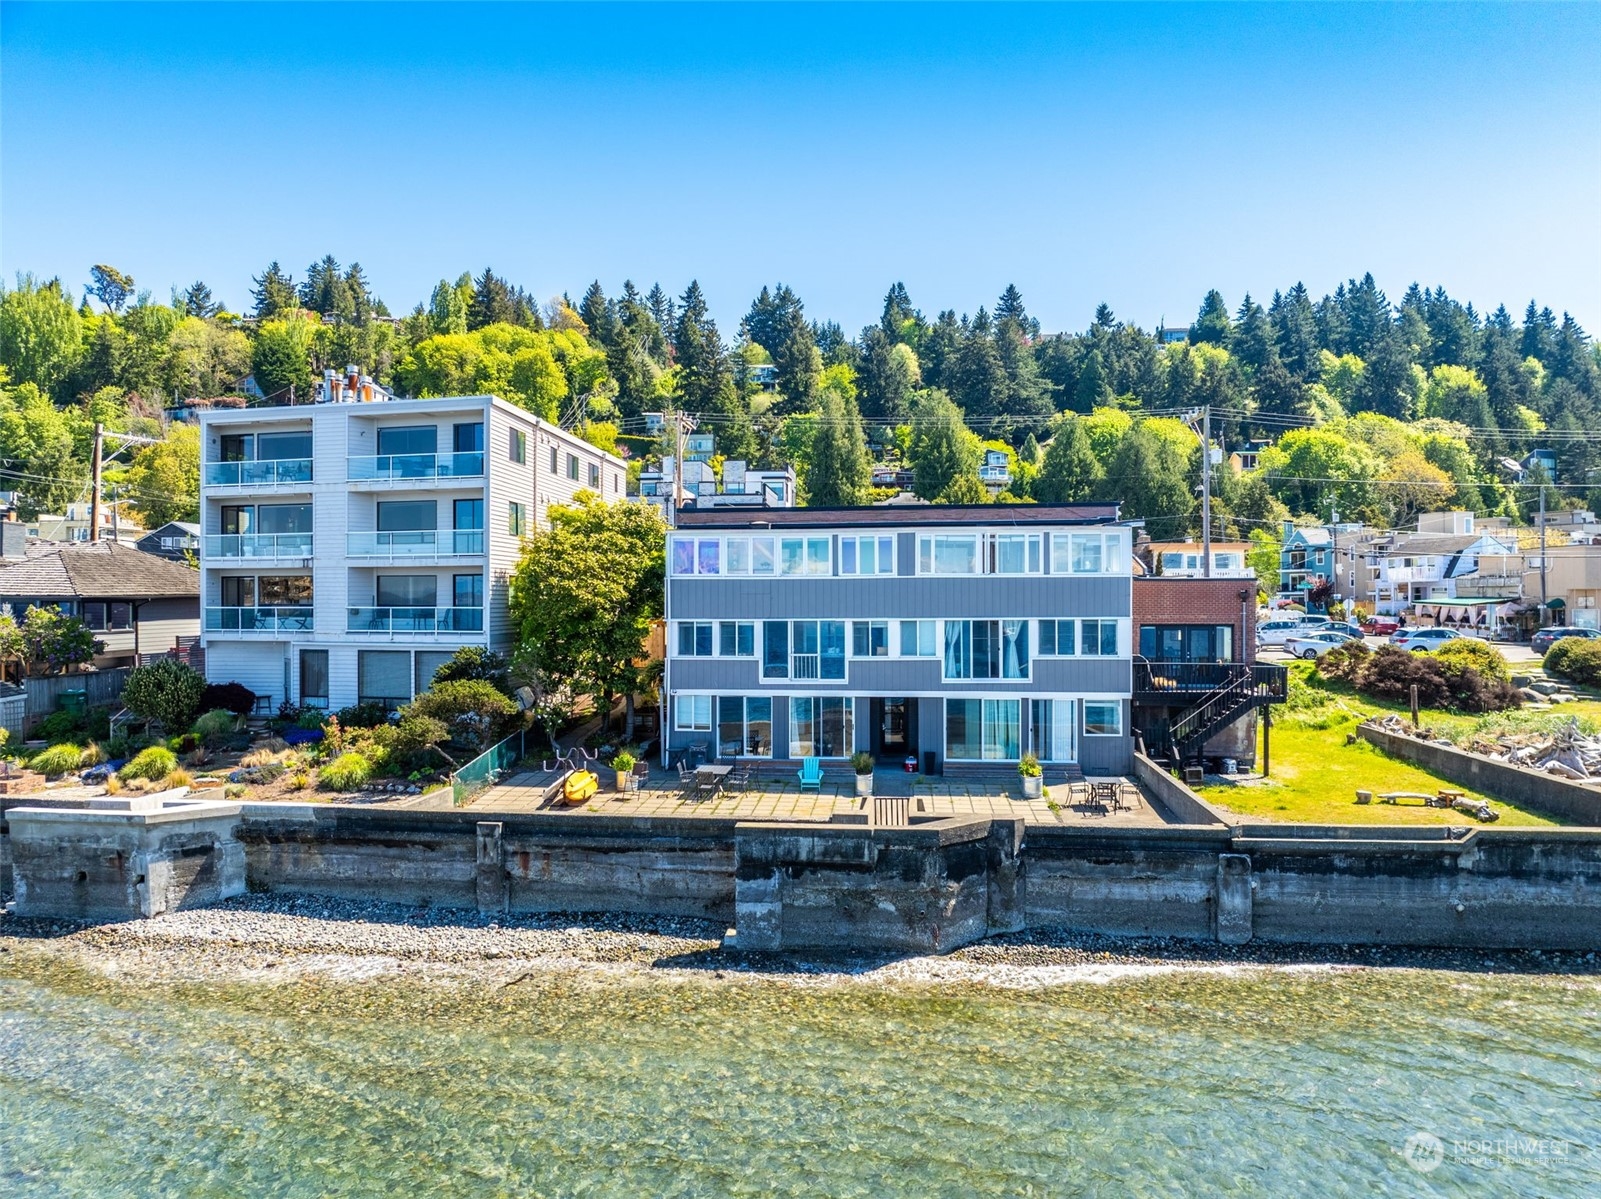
x,y
58,759
1390,673
474,711
215,727
1576,659
1443,681
1480,655
346,772
363,716
475,662
153,764
1342,661
233,697
167,691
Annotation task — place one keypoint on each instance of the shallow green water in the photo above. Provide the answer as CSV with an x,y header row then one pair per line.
x,y
1176,1084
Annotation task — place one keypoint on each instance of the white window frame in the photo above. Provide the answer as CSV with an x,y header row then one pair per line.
x,y
1058,652
696,625
808,567
1120,635
889,648
929,627
1115,704
850,554
693,701
1000,621
737,625
1113,552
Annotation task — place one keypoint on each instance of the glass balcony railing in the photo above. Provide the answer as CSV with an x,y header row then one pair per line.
x,y
415,543
259,620
268,473
258,545
386,468
415,620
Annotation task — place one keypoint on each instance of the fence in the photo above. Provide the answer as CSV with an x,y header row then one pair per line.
x,y
487,768
101,687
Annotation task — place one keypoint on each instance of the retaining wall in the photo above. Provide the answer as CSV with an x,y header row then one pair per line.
x,y
1185,805
1499,780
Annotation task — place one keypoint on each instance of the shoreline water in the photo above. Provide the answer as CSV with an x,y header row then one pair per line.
x,y
272,939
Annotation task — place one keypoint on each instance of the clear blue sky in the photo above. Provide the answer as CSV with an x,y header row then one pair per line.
x,y
1136,155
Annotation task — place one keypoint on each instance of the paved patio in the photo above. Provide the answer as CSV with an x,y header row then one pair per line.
x,y
779,797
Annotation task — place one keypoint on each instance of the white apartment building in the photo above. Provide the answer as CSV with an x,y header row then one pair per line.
x,y
349,548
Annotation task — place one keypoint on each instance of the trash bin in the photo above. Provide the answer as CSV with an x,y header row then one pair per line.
x,y
930,762
76,702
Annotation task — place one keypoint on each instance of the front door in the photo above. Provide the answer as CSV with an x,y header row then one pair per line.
x,y
896,732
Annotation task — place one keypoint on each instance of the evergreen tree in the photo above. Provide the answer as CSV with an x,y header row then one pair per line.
x,y
492,302
110,286
661,307
772,318
1295,333
326,293
898,314
938,351
597,314
1211,325
196,301
943,448
1386,386
1453,331
1026,398
1539,333
1251,339
887,376
705,382
1333,330
1104,318
1278,392
1367,314
798,365
363,304
841,470
274,293
1091,391
833,345
976,377
1071,471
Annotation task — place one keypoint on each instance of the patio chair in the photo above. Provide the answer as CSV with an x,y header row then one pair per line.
x,y
739,777
811,774
642,770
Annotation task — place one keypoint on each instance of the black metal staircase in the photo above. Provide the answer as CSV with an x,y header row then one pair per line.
x,y
1213,695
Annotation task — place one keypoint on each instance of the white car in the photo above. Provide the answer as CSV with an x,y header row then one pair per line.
x,y
1313,645
1421,640
1280,629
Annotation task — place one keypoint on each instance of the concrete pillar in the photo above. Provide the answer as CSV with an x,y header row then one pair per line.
x,y
1234,893
759,913
493,885
1006,878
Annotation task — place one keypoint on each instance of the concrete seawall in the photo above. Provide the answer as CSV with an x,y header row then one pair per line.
x,y
935,885
1514,784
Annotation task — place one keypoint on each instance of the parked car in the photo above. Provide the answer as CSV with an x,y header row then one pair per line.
x,y
1345,627
1546,638
1423,639
1314,645
1279,630
1312,618
1380,626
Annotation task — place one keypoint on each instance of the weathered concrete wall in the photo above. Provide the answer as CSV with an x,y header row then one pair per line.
x,y
1185,805
85,864
1526,788
513,864
1125,882
926,888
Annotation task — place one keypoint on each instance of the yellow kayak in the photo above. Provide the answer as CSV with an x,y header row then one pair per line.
x,y
580,785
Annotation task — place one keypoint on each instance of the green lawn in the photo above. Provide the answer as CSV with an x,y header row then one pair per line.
x,y
1316,775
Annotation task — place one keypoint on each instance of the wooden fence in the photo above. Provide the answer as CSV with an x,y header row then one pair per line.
x,y
102,688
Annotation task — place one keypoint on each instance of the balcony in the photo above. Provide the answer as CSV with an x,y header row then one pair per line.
x,y
415,620
817,666
259,620
271,472
258,546
416,543
395,468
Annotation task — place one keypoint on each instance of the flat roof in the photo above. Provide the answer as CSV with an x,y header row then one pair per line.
x,y
1023,515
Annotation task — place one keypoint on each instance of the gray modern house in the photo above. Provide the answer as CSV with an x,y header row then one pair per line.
x,y
958,636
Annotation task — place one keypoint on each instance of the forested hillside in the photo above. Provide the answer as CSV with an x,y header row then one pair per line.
x,y
1375,409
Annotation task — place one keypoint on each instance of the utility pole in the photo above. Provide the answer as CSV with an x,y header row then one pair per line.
x,y
1206,492
1542,546
94,497
116,514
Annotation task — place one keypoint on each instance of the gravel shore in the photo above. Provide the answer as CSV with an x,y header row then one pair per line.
x,y
288,938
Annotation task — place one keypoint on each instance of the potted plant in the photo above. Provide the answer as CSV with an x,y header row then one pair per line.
x,y
862,764
1032,775
623,764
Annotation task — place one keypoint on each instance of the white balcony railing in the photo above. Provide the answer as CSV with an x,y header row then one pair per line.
x,y
258,545
415,620
416,543
272,472
296,619
387,468
803,666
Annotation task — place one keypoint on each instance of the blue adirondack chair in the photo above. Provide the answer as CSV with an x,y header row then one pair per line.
x,y
811,774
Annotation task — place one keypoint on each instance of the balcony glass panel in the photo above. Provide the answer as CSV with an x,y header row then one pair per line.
x,y
259,620
389,467
420,543
258,545
416,620
258,474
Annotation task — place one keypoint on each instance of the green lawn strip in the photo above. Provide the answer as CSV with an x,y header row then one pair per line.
x,y
1316,775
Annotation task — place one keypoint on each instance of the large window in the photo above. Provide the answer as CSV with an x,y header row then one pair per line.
x,y
1057,638
693,713
1051,730
775,649
983,729
405,591
947,554
1088,553
1014,554
468,438
278,591
407,516
803,555
745,726
428,661
1097,638
275,447
383,676
1103,718
420,439
519,446
919,638
818,649
100,614
692,555
986,649
694,639
869,638
736,638
867,555
821,727
978,553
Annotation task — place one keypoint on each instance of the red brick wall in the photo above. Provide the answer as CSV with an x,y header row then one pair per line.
x,y
1159,599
